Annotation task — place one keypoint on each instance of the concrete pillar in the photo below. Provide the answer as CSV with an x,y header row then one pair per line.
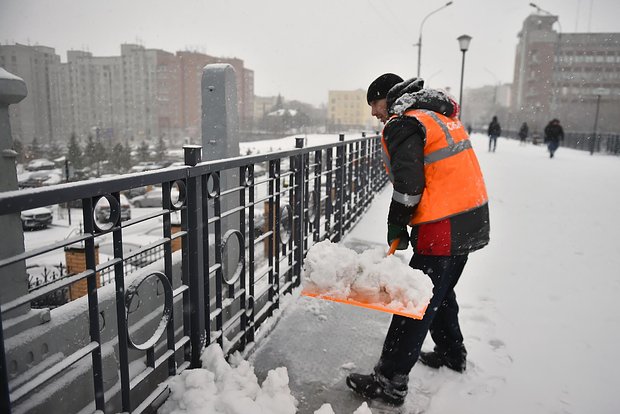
x,y
220,136
220,112
14,279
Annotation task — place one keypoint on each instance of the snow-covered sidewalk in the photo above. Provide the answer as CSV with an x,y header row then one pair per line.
x,y
539,305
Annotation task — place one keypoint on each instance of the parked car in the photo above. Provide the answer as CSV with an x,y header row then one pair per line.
x,y
152,198
37,218
135,192
40,164
39,178
146,166
102,209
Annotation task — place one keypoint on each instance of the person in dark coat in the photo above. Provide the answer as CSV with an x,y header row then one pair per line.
x,y
439,192
554,133
494,131
523,132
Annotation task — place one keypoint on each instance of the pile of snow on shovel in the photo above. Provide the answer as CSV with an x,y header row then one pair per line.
x,y
370,277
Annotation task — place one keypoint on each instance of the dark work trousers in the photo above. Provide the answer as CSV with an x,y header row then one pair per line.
x,y
406,335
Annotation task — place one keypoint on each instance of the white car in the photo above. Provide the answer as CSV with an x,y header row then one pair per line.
x,y
40,164
146,166
36,218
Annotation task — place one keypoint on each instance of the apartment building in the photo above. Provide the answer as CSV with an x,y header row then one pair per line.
x,y
142,93
263,105
32,118
348,110
566,76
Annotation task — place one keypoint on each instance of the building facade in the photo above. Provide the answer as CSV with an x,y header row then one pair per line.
x,y
139,95
348,110
32,117
570,76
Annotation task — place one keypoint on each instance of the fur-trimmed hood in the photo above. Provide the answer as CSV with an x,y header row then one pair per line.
x,y
410,94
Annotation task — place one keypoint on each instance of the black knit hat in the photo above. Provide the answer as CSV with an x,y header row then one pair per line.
x,y
380,87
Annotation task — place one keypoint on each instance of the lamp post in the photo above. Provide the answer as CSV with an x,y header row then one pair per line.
x,y
598,92
463,45
419,44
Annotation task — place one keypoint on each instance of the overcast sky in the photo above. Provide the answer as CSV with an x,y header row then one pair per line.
x,y
302,49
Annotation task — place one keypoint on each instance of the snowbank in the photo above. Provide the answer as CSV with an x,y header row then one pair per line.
x,y
370,277
220,388
223,388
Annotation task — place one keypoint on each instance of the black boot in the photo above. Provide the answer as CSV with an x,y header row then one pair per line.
x,y
376,386
437,360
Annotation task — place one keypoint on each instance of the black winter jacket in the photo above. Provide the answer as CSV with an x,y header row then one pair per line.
x,y
405,139
554,132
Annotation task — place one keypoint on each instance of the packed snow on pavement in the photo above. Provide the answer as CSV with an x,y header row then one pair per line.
x,y
539,306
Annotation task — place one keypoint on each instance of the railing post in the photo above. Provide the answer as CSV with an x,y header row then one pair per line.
x,y
93,302
298,228
340,192
195,257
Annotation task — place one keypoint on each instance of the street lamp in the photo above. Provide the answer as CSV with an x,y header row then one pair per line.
x,y
419,44
464,45
598,92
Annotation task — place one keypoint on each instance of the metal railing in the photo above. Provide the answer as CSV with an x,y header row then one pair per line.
x,y
601,143
246,224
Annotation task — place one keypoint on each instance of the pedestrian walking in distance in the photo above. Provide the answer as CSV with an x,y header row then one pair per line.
x,y
494,131
439,192
523,132
554,133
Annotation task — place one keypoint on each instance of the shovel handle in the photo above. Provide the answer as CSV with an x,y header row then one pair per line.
x,y
393,246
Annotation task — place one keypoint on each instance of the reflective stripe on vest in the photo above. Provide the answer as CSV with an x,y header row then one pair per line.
x,y
454,182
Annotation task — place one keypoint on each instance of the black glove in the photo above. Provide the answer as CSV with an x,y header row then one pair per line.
x,y
396,231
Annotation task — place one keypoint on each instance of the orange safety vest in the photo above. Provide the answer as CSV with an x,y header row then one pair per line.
x,y
454,182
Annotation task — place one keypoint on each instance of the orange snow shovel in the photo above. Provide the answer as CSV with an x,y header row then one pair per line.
x,y
359,301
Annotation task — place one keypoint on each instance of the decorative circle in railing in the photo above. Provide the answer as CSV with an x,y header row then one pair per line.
x,y
178,194
312,205
248,179
106,212
132,291
286,223
101,321
249,310
226,250
213,185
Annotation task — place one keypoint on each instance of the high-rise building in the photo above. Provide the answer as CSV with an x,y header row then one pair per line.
x,y
32,118
566,76
141,94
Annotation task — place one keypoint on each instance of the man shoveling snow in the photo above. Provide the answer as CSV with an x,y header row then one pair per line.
x,y
440,193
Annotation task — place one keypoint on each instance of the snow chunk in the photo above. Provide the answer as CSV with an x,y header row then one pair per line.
x,y
370,277
220,388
